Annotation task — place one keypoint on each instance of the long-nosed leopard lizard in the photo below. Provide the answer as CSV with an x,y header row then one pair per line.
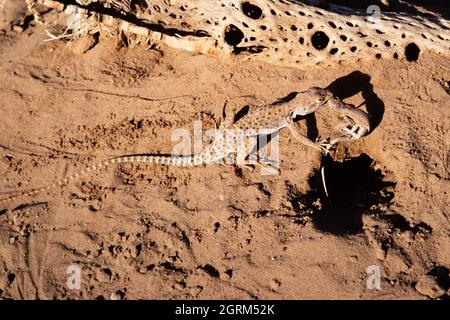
x,y
263,120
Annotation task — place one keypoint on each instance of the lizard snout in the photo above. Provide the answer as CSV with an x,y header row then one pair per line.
x,y
328,96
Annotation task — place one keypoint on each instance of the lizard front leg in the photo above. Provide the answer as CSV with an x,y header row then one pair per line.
x,y
295,131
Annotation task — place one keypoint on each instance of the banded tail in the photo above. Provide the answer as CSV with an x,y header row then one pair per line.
x,y
182,161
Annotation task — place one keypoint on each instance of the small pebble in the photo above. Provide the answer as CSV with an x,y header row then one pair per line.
x,y
84,44
195,291
275,284
17,28
380,253
180,285
118,295
428,286
15,221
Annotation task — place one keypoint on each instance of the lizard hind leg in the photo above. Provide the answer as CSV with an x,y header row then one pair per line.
x,y
353,133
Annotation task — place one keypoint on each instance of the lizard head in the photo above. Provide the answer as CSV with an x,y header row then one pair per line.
x,y
319,96
308,101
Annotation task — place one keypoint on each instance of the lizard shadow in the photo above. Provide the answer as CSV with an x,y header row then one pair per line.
x,y
355,82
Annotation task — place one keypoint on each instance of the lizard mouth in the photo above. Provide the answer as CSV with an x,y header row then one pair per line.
x,y
328,97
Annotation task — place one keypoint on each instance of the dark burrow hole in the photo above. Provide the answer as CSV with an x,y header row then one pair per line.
x,y
210,270
171,267
442,275
11,278
412,52
251,10
108,272
319,40
354,187
233,35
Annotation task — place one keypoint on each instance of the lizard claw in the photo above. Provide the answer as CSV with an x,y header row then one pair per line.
x,y
325,146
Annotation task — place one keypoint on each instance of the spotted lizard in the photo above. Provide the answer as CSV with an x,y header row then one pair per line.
x,y
262,120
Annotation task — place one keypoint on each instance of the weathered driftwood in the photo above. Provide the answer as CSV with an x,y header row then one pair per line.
x,y
283,32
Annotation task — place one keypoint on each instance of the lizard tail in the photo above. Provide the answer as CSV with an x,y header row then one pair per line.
x,y
165,160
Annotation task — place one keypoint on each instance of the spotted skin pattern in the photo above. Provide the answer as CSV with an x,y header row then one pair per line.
x,y
262,120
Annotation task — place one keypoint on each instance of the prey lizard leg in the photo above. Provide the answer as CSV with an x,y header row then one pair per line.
x,y
353,133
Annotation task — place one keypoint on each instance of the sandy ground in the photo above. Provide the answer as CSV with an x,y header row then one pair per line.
x,y
221,231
